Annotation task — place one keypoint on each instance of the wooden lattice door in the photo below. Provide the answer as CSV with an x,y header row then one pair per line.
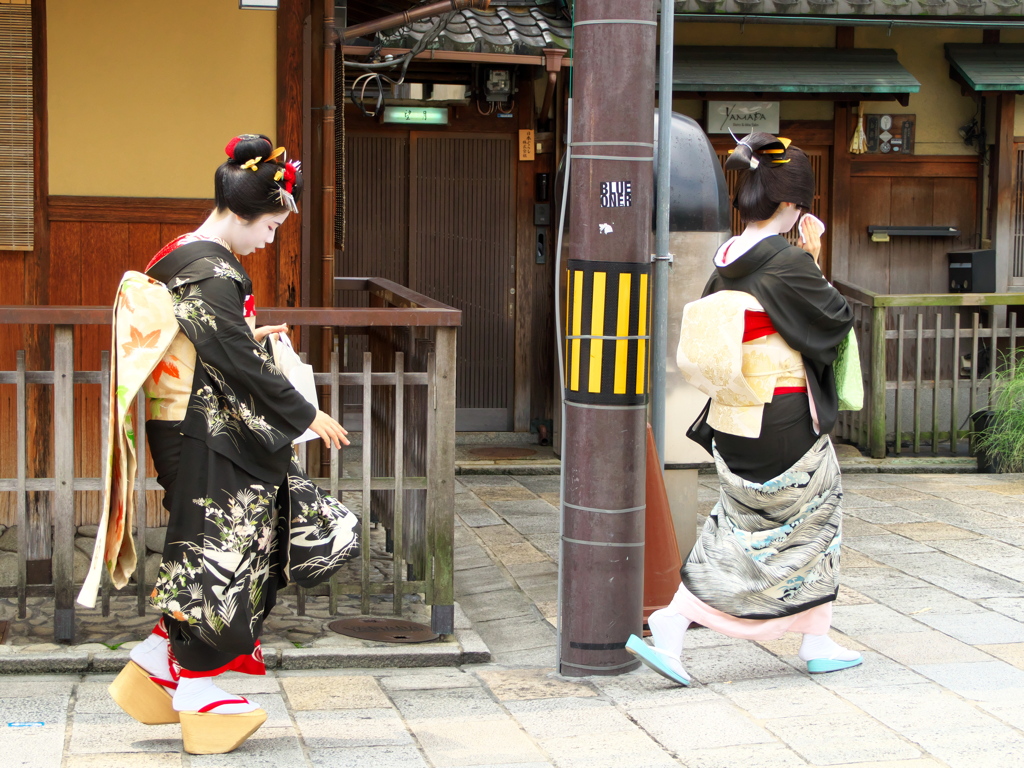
x,y
436,212
462,249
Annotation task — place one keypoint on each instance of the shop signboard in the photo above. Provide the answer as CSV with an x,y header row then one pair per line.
x,y
742,117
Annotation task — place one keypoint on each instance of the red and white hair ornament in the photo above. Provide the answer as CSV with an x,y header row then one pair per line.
x,y
285,179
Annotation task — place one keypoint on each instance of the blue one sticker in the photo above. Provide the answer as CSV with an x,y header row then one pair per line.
x,y
616,194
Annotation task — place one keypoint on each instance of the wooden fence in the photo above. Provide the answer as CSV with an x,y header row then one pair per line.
x,y
926,360
406,477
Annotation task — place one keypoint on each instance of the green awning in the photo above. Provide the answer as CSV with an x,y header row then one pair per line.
x,y
823,73
995,67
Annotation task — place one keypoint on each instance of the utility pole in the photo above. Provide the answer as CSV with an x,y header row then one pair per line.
x,y
607,331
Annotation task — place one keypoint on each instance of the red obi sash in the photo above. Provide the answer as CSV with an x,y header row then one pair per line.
x,y
757,325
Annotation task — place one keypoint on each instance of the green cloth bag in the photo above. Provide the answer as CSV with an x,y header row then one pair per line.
x,y
849,380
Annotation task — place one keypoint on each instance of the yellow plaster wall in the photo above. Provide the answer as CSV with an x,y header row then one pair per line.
x,y
144,94
939,106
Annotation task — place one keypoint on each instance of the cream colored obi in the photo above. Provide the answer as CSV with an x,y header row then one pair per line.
x,y
739,377
169,386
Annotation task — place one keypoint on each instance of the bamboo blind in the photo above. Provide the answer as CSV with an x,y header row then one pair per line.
x,y
16,126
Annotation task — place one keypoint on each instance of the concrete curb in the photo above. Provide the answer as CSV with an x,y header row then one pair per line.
x,y
464,647
495,468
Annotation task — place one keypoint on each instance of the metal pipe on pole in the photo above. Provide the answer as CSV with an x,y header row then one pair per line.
x,y
662,258
607,336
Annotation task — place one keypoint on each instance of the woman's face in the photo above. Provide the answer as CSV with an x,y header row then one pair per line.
x,y
258,233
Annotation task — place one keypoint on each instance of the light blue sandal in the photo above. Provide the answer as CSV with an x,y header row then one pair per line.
x,y
655,659
819,666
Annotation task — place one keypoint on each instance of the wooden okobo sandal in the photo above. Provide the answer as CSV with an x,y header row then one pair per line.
x,y
144,697
207,733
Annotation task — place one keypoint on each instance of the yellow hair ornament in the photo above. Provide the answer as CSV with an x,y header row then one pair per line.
x,y
251,164
279,152
279,175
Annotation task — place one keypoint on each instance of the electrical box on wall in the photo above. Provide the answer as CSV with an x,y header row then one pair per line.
x,y
972,271
499,85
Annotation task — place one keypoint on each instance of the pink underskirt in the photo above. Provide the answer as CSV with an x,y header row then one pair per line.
x,y
813,621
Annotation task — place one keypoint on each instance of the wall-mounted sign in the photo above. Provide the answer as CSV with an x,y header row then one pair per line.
x,y
416,115
527,146
889,134
743,117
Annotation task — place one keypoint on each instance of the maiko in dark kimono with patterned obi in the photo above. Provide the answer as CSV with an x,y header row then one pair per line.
x,y
230,466
761,344
244,518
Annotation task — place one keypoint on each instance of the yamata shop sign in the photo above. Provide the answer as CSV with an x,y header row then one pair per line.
x,y
743,117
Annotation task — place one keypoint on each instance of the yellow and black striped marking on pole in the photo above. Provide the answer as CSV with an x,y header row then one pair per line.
x,y
607,332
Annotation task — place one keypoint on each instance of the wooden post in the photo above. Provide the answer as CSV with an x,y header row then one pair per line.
x,y
22,427
1003,240
836,262
876,439
39,518
327,172
441,480
291,15
397,522
64,478
839,241
364,530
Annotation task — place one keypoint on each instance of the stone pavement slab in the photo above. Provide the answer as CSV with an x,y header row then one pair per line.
x,y
932,592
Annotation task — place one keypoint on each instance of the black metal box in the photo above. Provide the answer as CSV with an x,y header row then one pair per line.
x,y
972,271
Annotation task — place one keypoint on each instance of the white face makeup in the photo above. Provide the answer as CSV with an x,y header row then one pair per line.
x,y
787,217
251,236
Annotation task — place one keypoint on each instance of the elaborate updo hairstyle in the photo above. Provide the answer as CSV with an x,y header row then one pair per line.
x,y
257,179
771,172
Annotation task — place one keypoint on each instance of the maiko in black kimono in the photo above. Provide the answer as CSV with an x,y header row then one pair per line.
x,y
240,507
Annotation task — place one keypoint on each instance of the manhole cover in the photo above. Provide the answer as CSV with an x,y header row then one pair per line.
x,y
3,631
383,630
493,452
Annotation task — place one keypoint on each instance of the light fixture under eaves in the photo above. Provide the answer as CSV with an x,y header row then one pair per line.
x,y
259,5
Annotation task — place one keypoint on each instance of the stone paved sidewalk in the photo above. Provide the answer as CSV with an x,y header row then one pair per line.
x,y
933,593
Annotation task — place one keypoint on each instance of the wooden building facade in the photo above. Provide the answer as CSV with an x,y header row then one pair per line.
x,y
960,173
125,110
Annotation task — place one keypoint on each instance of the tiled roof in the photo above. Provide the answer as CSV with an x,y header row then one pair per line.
x,y
508,26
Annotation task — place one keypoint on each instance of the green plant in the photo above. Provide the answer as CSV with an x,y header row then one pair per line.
x,y
1003,436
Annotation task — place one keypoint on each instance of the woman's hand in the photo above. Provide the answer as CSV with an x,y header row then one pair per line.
x,y
810,236
265,330
330,431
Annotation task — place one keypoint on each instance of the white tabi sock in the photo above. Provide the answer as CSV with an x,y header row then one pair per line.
x,y
151,655
194,693
668,631
824,647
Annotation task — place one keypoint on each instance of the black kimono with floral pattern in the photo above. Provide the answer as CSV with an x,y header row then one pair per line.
x,y
243,514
